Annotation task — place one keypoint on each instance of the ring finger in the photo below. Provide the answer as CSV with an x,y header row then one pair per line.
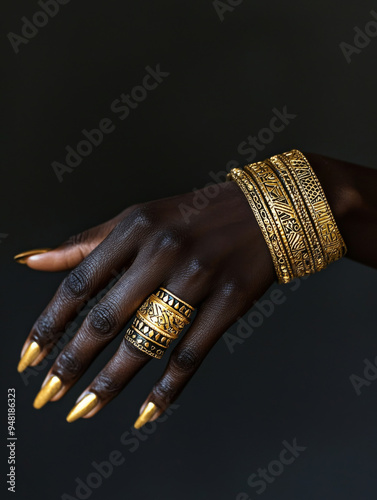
x,y
128,359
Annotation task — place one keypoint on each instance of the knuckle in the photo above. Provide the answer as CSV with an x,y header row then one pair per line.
x,y
234,294
233,288
165,390
142,216
68,365
185,360
45,329
77,283
103,318
106,384
197,267
170,238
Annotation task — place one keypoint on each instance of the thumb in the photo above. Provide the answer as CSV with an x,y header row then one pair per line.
x,y
69,254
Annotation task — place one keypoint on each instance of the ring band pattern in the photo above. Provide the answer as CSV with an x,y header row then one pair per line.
x,y
158,321
162,317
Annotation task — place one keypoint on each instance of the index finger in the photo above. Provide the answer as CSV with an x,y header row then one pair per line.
x,y
81,284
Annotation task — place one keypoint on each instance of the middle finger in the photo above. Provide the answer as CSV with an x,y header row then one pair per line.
x,y
102,324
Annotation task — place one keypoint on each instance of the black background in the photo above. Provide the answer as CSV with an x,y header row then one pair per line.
x,y
290,379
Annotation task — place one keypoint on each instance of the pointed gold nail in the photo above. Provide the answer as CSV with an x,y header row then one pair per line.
x,y
83,407
146,415
31,354
22,257
48,391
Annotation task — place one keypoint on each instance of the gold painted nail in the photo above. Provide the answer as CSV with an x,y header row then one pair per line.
x,y
22,257
48,391
31,354
146,415
83,407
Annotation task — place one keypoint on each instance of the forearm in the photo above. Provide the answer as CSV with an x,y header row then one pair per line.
x,y
351,191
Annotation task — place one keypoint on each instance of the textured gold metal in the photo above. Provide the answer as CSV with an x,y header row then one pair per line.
x,y
283,171
266,223
311,191
158,321
167,297
285,216
151,348
162,317
293,214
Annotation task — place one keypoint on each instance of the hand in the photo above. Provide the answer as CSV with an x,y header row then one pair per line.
x,y
215,259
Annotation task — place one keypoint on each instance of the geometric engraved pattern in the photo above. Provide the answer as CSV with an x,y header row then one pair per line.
x,y
283,172
266,223
293,214
158,321
286,218
333,245
142,344
164,320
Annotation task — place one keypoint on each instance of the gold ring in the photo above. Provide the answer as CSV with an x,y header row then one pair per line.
x,y
158,321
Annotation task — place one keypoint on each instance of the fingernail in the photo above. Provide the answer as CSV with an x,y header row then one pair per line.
x,y
48,391
146,415
31,354
82,407
22,257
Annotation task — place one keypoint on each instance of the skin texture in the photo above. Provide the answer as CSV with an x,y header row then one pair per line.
x,y
216,259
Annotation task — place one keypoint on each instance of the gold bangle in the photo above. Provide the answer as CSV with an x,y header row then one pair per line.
x,y
293,214
266,223
317,205
285,216
286,178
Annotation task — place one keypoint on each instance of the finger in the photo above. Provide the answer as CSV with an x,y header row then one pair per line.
x,y
122,367
67,255
101,326
84,282
215,316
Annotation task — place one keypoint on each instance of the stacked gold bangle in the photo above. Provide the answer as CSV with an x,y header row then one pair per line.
x,y
158,321
293,214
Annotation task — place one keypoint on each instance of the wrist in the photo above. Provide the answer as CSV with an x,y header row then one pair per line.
x,y
338,184
351,192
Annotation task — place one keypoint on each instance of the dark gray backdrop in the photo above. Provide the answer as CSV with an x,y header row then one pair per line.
x,y
291,378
